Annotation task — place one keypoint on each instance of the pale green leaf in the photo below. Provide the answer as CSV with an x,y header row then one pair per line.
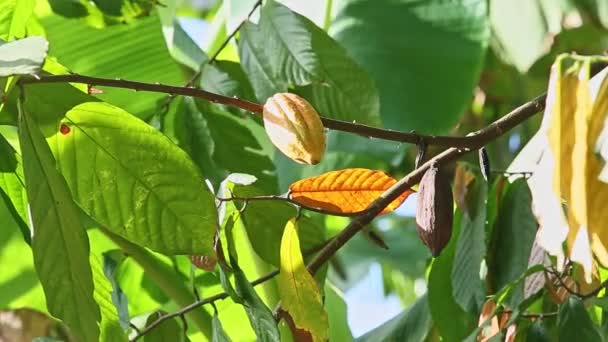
x,y
14,15
130,188
335,306
60,243
110,328
12,186
300,295
219,335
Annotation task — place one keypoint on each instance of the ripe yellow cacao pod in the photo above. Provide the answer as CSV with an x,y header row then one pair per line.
x,y
295,128
434,210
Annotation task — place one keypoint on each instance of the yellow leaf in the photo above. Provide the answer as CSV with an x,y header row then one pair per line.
x,y
346,191
300,296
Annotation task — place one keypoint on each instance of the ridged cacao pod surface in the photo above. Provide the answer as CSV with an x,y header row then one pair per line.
x,y
295,128
434,210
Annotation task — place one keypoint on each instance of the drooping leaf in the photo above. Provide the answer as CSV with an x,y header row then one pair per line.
x,y
345,191
452,322
403,44
110,324
169,330
260,317
285,48
60,243
174,218
412,324
335,306
14,15
467,286
12,186
515,227
118,297
574,323
219,335
300,295
23,56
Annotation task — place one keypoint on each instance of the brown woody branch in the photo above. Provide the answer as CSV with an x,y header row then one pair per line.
x,y
474,141
256,108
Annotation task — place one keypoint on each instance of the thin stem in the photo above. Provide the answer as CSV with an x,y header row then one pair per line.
x,y
468,142
194,305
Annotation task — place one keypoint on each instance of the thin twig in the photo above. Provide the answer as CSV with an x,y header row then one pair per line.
x,y
197,304
468,142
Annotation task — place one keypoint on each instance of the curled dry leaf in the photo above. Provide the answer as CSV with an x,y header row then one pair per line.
x,y
347,191
295,128
434,210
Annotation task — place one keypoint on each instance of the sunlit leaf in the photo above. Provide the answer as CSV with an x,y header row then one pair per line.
x,y
14,15
60,243
300,295
345,191
219,335
12,186
23,56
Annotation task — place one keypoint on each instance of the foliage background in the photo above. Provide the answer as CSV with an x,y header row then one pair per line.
x,y
434,67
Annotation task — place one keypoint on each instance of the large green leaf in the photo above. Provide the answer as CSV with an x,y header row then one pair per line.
x,y
130,186
300,295
60,243
574,323
467,286
169,330
110,328
522,44
411,325
452,322
515,230
23,56
286,49
14,15
12,186
337,314
136,51
417,52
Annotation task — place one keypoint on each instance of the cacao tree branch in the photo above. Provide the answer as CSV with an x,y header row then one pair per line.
x,y
467,142
474,141
209,300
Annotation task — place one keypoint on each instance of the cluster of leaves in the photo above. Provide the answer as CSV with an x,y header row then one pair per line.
x,y
104,196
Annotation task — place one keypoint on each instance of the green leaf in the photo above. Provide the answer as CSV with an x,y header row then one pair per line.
x,y
261,318
415,50
157,212
23,56
136,51
598,9
574,323
119,299
229,79
12,186
110,327
336,314
219,335
14,15
453,323
300,296
60,243
165,276
522,44
69,8
168,330
515,230
468,289
286,48
411,325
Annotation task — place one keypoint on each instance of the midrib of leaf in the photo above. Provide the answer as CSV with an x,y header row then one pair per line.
x,y
267,74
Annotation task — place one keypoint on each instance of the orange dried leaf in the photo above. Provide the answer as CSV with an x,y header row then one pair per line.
x,y
346,191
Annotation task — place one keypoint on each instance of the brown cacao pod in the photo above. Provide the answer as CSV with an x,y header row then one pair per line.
x,y
295,128
434,210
